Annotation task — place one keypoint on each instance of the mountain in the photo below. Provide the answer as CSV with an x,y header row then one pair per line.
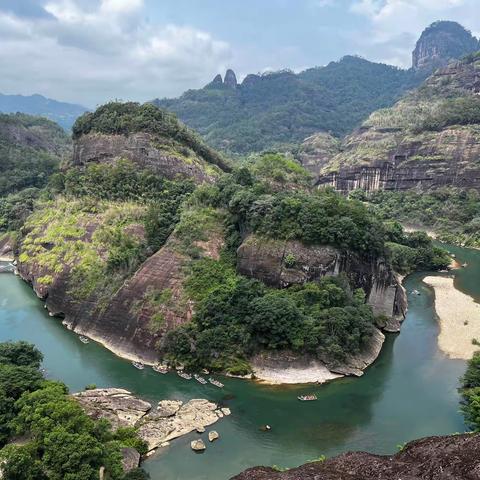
x,y
429,139
149,242
441,42
277,109
31,148
62,113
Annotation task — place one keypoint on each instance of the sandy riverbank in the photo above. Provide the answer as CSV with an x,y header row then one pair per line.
x,y
459,318
6,258
316,372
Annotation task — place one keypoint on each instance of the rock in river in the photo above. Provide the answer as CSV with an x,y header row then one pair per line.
x,y
171,418
213,435
198,445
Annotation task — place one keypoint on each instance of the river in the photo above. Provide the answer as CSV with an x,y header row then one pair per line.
x,y
409,392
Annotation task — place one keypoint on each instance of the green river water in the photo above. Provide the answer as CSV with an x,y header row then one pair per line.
x,y
409,392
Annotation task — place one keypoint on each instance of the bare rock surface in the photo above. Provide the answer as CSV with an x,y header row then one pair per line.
x,y
117,405
130,459
157,426
198,445
264,259
156,429
455,457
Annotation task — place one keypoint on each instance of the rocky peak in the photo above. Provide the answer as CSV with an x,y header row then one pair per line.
x,y
217,81
230,79
441,42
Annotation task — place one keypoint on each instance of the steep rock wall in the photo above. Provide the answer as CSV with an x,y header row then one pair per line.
x,y
264,259
146,151
130,324
410,145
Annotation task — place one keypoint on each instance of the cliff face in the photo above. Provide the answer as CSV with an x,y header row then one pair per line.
x,y
129,316
146,151
437,458
440,43
266,260
429,139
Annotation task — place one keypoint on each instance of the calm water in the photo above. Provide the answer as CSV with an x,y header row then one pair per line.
x,y
408,393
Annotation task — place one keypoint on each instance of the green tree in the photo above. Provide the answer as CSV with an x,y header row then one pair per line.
x,y
21,463
20,354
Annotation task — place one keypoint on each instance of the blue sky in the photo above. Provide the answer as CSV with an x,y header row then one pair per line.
x,y
91,51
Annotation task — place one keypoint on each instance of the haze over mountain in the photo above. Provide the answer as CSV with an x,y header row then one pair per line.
x,y
62,113
276,109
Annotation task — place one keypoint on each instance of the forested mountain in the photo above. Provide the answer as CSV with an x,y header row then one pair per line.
x,y
280,108
277,109
62,113
31,149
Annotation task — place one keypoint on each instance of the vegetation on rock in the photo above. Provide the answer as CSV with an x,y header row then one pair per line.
x,y
116,118
470,392
236,317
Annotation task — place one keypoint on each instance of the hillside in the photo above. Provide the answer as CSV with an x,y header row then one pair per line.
x,y
62,113
31,149
147,135
429,139
191,265
425,459
277,109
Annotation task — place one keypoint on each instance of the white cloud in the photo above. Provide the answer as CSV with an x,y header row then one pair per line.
x,y
93,51
395,21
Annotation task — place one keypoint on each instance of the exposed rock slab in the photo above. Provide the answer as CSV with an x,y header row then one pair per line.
x,y
146,151
171,419
156,429
356,364
455,457
117,405
130,459
290,368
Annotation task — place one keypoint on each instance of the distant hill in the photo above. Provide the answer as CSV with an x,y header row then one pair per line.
x,y
62,113
428,140
441,42
31,149
276,109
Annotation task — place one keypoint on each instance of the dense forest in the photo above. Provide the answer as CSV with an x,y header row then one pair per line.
x,y
31,149
236,316
454,214
275,110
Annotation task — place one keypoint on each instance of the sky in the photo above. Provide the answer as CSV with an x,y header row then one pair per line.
x,y
93,51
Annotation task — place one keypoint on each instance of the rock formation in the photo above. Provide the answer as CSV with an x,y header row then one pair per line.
x,y
171,419
230,79
425,141
198,445
264,259
124,326
441,42
146,151
455,457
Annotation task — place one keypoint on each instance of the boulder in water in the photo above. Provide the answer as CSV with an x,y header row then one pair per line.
x,y
198,445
